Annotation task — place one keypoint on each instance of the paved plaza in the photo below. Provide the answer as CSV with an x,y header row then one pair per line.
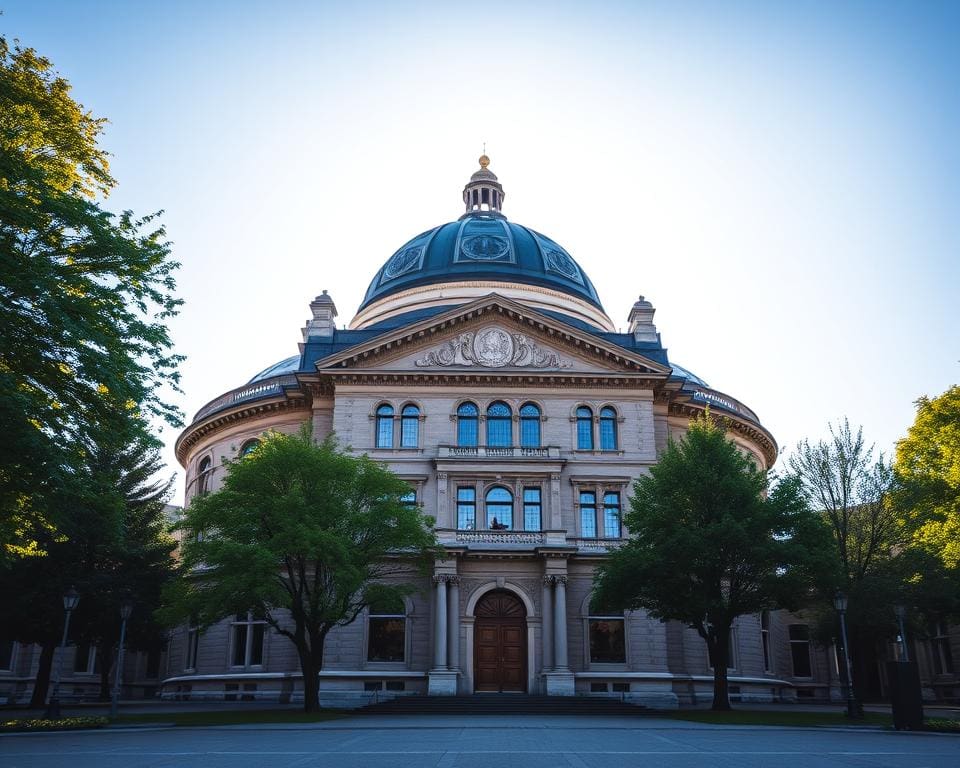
x,y
481,742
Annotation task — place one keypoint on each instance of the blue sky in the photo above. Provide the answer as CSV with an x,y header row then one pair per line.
x,y
781,180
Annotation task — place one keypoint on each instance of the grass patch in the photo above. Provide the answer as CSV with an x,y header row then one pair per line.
x,y
941,725
61,724
233,717
760,717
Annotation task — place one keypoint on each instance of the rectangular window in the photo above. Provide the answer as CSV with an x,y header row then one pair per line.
x,y
531,509
940,649
466,508
387,638
240,641
607,642
248,633
85,660
409,499
800,650
6,655
765,640
611,515
585,433
193,645
467,432
588,514
384,432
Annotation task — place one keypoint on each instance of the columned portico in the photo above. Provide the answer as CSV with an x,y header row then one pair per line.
x,y
559,680
442,679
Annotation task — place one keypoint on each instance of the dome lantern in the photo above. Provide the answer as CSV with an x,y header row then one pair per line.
x,y
483,192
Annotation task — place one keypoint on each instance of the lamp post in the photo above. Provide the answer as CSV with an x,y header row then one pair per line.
x,y
840,603
70,602
901,611
126,608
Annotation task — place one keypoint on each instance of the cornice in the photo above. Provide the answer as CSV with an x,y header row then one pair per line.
x,y
754,432
504,379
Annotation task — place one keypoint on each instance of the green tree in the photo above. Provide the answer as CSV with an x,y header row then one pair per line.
x,y
84,298
305,535
708,543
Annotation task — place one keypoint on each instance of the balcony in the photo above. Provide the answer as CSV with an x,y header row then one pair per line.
x,y
492,452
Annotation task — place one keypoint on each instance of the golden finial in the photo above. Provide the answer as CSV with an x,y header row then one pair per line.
x,y
484,161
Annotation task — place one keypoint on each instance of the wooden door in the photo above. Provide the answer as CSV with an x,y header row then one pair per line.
x,y
500,644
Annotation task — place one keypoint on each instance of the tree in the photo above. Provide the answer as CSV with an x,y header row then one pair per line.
x,y
708,544
306,536
850,487
84,298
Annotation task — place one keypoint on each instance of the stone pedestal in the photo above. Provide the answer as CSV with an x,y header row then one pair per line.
x,y
559,683
441,682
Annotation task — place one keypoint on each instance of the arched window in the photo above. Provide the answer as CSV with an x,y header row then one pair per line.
x,y
608,429
249,447
410,427
386,636
584,429
467,418
203,476
607,637
499,509
499,426
385,426
529,426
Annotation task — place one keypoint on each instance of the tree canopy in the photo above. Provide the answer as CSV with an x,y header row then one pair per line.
x,y
84,297
708,543
303,534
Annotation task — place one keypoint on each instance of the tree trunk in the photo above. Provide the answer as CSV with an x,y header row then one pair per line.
x,y
42,683
719,651
311,662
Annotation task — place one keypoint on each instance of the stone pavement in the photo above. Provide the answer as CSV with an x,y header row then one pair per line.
x,y
529,741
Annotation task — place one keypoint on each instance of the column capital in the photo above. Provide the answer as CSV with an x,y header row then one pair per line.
x,y
446,578
548,581
560,580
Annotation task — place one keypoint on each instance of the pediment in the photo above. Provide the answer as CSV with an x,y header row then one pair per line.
x,y
491,335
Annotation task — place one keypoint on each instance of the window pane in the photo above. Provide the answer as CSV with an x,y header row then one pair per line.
x,y
499,426
588,515
239,645
466,508
499,509
81,658
608,430
409,499
531,509
384,427
530,426
611,515
584,429
256,647
467,425
410,427
386,640
249,447
800,649
607,644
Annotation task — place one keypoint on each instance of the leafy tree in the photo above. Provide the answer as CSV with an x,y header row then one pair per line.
x,y
305,535
84,297
708,544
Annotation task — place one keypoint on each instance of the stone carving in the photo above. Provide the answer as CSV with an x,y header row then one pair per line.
x,y
492,348
404,261
485,248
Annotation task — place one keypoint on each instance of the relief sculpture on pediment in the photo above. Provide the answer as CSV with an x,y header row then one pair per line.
x,y
492,348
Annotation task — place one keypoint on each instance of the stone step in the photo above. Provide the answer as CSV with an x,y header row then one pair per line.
x,y
493,704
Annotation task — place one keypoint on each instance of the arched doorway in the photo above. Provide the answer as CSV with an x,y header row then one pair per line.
x,y
500,646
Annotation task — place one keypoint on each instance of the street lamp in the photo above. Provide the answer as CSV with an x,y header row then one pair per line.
x,y
901,611
126,608
70,602
840,603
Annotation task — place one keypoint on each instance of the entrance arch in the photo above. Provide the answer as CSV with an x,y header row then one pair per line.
x,y
500,643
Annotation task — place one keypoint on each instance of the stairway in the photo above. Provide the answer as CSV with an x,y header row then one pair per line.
x,y
504,704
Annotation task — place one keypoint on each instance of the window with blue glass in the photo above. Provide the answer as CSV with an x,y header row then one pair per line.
x,y
611,515
608,429
385,426
532,509
499,509
529,426
409,426
588,514
409,499
584,429
467,419
466,508
249,447
499,425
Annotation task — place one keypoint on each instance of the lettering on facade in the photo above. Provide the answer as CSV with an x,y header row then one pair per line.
x,y
492,348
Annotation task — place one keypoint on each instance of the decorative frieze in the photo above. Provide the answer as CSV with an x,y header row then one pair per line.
x,y
492,348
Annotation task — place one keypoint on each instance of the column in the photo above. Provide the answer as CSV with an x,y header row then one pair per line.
x,y
453,624
440,624
547,623
560,622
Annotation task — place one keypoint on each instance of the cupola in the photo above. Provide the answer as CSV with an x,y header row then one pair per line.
x,y
483,192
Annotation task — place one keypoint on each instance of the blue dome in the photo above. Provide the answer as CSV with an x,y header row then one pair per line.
x,y
481,246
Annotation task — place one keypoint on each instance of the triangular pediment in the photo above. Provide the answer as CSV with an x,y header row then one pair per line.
x,y
491,335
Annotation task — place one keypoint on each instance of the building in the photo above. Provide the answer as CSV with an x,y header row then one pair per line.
x,y
483,368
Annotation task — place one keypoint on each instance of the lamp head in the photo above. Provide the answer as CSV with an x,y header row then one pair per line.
x,y
126,608
71,599
840,601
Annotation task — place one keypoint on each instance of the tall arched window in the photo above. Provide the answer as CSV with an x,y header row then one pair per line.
x,y
385,426
499,425
410,427
529,426
499,509
584,429
607,637
467,418
249,447
608,429
203,476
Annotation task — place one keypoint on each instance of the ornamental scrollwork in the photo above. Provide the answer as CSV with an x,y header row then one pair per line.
x,y
492,348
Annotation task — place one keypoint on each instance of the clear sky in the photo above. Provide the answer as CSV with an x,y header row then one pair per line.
x,y
781,180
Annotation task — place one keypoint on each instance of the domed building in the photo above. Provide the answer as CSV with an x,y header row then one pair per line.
x,y
483,368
